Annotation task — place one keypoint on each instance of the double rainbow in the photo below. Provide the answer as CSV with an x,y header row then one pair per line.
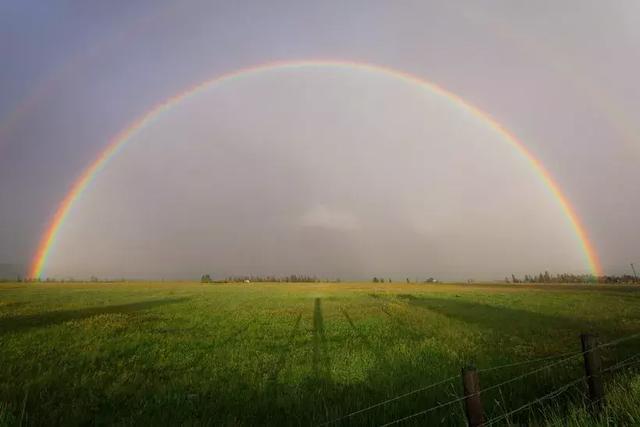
x,y
48,240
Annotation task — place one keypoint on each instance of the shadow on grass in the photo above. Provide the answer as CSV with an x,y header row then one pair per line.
x,y
502,319
11,305
528,325
40,320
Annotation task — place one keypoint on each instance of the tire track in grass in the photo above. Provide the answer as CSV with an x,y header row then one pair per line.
x,y
412,332
223,317
321,361
380,355
234,335
279,365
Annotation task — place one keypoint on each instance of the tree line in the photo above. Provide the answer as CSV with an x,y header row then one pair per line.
x,y
292,278
572,278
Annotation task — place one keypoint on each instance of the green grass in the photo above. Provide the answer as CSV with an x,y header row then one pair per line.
x,y
622,407
296,354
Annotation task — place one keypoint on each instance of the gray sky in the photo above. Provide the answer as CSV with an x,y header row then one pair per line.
x,y
328,172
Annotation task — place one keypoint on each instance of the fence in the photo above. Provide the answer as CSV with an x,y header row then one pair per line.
x,y
471,397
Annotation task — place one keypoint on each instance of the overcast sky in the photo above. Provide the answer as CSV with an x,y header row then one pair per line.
x,y
333,172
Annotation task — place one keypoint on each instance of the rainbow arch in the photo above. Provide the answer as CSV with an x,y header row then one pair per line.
x,y
48,239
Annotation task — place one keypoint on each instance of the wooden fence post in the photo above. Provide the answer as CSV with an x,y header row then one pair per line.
x,y
593,368
473,403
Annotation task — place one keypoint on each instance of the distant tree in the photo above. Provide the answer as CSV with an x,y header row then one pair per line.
x,y
408,281
506,279
375,280
205,278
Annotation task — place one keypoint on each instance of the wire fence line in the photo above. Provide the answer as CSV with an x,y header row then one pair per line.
x,y
635,362
526,362
444,381
426,411
623,364
565,357
555,393
531,361
451,402
376,405
535,371
619,340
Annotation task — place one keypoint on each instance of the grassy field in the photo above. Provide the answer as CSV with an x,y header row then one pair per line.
x,y
297,354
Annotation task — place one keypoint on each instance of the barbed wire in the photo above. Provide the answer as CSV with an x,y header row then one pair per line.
x,y
535,371
555,393
622,364
630,364
442,405
619,340
565,357
526,362
426,411
444,381
368,408
607,344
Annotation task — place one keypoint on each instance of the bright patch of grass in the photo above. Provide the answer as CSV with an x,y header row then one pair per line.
x,y
622,407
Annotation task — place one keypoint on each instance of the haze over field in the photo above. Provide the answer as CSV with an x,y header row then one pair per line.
x,y
348,174
324,170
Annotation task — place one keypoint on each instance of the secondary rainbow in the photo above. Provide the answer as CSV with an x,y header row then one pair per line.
x,y
48,240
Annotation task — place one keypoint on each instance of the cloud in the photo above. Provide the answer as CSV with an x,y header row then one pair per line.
x,y
322,216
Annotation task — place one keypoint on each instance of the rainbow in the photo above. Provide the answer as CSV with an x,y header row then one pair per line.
x,y
48,239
